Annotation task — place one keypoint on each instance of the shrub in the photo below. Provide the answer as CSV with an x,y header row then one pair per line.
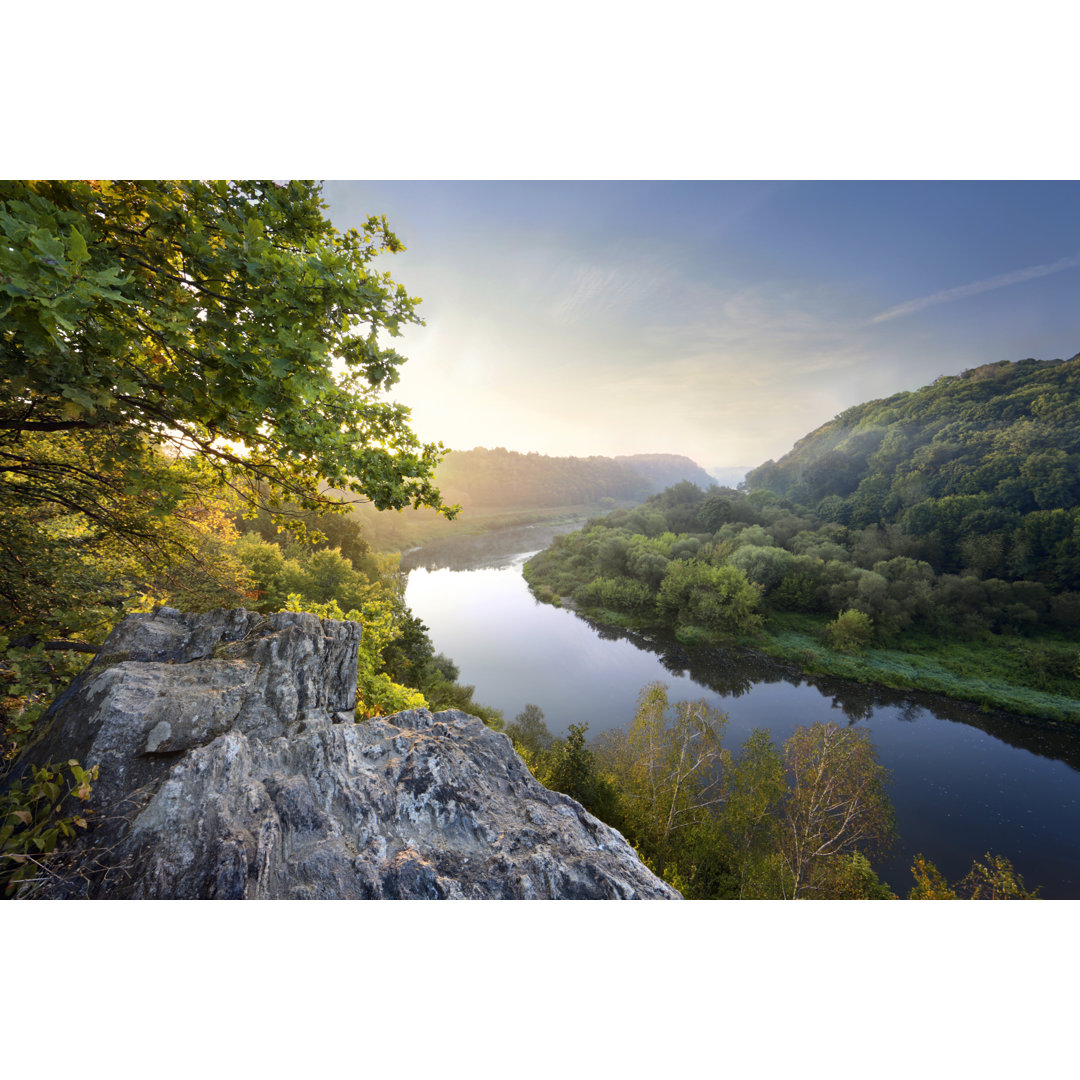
x,y
32,821
850,631
715,597
619,594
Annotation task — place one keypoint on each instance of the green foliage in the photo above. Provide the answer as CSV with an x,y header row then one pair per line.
x,y
979,470
764,565
929,882
851,877
667,768
33,821
836,804
619,594
1030,677
996,879
30,678
151,312
571,768
319,575
332,531
749,816
762,824
716,597
850,631
529,733
77,546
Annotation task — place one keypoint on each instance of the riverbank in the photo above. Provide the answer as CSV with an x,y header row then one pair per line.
x,y
997,672
965,779
1002,672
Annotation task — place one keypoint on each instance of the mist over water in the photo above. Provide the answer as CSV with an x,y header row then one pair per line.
x,y
963,782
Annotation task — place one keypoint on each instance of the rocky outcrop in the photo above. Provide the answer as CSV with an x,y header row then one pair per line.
x,y
231,767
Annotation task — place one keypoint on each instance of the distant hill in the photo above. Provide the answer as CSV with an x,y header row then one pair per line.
x,y
505,478
666,470
502,488
1010,430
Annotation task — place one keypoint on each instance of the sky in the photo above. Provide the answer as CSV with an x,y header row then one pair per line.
x,y
722,320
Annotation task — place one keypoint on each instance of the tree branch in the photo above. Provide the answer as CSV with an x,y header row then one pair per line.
x,y
29,640
46,425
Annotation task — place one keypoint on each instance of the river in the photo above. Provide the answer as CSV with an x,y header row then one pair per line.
x,y
963,781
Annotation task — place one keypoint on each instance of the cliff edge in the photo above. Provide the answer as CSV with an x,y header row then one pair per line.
x,y
231,768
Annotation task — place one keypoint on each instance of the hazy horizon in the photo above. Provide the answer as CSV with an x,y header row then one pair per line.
x,y
728,475
718,320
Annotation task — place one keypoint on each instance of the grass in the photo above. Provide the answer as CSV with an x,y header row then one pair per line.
x,y
1030,676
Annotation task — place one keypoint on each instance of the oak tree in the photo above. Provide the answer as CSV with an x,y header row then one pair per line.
x,y
229,320
164,342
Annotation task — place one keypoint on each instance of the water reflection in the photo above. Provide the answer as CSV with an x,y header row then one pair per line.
x,y
734,672
501,547
965,781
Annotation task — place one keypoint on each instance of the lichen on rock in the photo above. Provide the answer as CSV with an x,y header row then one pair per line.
x,y
230,767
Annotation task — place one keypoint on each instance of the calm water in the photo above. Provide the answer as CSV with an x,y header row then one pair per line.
x,y
963,782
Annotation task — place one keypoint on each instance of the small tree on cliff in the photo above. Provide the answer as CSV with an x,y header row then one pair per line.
x,y
571,768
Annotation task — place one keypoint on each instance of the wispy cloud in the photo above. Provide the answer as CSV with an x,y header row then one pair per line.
x,y
585,289
976,287
613,290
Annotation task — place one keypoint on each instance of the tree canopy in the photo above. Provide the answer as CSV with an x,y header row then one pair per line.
x,y
170,353
982,467
229,320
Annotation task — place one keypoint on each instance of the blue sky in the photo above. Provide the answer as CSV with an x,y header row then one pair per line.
x,y
722,320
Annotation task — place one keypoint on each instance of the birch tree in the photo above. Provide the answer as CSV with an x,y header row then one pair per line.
x,y
668,765
836,804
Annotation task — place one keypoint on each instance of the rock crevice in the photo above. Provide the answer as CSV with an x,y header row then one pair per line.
x,y
230,767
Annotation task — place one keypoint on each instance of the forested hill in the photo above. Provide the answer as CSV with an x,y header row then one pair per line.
x,y
991,453
931,539
666,470
505,478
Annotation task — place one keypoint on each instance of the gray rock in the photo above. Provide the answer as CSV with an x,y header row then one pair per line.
x,y
230,767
